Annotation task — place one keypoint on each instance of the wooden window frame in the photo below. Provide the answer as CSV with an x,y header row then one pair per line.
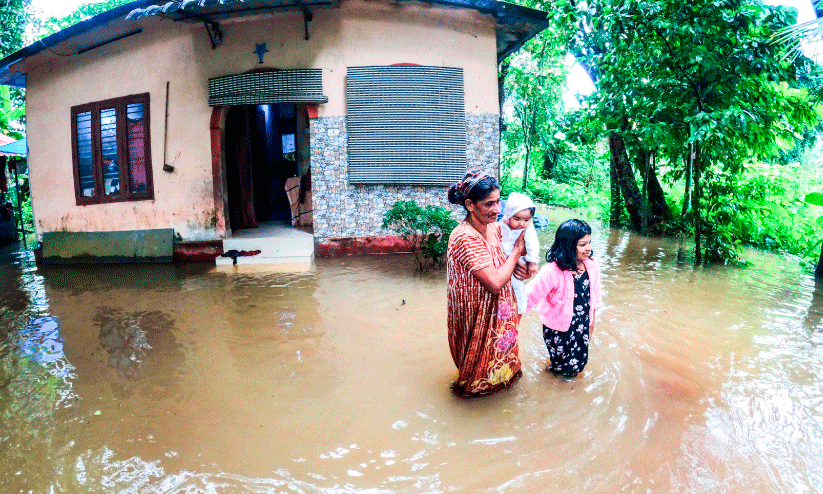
x,y
123,168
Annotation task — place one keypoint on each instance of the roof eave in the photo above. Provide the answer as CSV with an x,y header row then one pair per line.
x,y
19,80
515,25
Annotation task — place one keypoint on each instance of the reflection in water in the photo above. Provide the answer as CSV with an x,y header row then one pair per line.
x,y
125,341
34,385
128,338
183,379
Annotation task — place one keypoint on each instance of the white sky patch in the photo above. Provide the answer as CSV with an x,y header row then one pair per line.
x,y
56,8
805,11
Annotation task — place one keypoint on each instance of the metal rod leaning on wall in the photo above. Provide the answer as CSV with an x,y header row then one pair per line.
x,y
166,166
166,127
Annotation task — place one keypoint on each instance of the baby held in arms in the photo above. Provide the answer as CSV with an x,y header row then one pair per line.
x,y
517,216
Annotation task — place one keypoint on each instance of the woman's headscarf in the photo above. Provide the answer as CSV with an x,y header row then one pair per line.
x,y
472,178
515,203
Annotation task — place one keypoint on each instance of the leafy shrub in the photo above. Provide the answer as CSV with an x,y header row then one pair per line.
x,y
425,230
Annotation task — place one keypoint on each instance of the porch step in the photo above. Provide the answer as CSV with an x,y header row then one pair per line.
x,y
294,249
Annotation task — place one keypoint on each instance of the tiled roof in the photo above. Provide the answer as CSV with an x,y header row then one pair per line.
x,y
195,10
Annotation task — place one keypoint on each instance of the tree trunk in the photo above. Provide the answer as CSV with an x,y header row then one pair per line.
x,y
616,198
529,135
818,270
698,232
655,208
625,177
526,168
689,159
642,164
657,198
549,162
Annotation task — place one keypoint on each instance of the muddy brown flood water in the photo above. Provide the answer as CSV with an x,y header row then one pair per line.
x,y
185,379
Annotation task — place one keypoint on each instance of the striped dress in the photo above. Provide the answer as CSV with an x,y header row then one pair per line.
x,y
482,326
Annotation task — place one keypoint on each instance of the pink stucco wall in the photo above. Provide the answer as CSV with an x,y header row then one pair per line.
x,y
359,33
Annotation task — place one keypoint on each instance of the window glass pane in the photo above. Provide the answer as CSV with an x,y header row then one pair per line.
x,y
84,156
108,141
136,135
288,147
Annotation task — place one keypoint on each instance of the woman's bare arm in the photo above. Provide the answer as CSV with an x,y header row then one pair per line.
x,y
494,279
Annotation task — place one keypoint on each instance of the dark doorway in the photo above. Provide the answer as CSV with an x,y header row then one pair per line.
x,y
260,155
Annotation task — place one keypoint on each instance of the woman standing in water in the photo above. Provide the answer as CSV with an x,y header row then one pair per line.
x,y
483,315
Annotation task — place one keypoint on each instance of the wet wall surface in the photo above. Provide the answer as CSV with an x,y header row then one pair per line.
x,y
189,379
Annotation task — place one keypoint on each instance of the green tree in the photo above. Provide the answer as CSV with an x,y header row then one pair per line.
x,y
533,87
11,110
816,199
533,114
698,80
14,17
83,12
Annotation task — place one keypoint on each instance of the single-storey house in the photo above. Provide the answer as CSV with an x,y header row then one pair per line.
x,y
160,129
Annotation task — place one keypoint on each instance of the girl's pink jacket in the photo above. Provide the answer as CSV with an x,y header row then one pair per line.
x,y
552,294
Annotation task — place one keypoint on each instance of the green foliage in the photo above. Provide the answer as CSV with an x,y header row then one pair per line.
x,y
702,71
10,112
13,18
571,192
815,198
534,78
82,13
761,206
425,230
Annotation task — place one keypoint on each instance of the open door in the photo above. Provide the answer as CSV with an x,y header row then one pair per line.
x,y
239,182
266,147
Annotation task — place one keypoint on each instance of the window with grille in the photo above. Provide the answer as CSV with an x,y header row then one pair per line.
x,y
110,145
406,125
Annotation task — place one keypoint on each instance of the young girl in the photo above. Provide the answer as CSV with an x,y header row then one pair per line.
x,y
566,293
517,216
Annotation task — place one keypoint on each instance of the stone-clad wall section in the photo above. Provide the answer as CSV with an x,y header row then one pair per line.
x,y
342,211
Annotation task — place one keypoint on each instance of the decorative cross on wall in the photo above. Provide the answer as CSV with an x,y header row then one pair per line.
x,y
260,50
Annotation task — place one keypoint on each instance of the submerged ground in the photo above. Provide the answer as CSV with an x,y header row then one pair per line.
x,y
189,379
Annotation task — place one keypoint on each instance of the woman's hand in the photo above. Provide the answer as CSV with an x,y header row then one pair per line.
x,y
494,279
521,272
519,249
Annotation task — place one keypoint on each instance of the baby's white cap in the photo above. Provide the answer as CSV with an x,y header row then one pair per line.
x,y
515,203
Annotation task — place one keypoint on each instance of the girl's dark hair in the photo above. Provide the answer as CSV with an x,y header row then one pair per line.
x,y
478,192
564,249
